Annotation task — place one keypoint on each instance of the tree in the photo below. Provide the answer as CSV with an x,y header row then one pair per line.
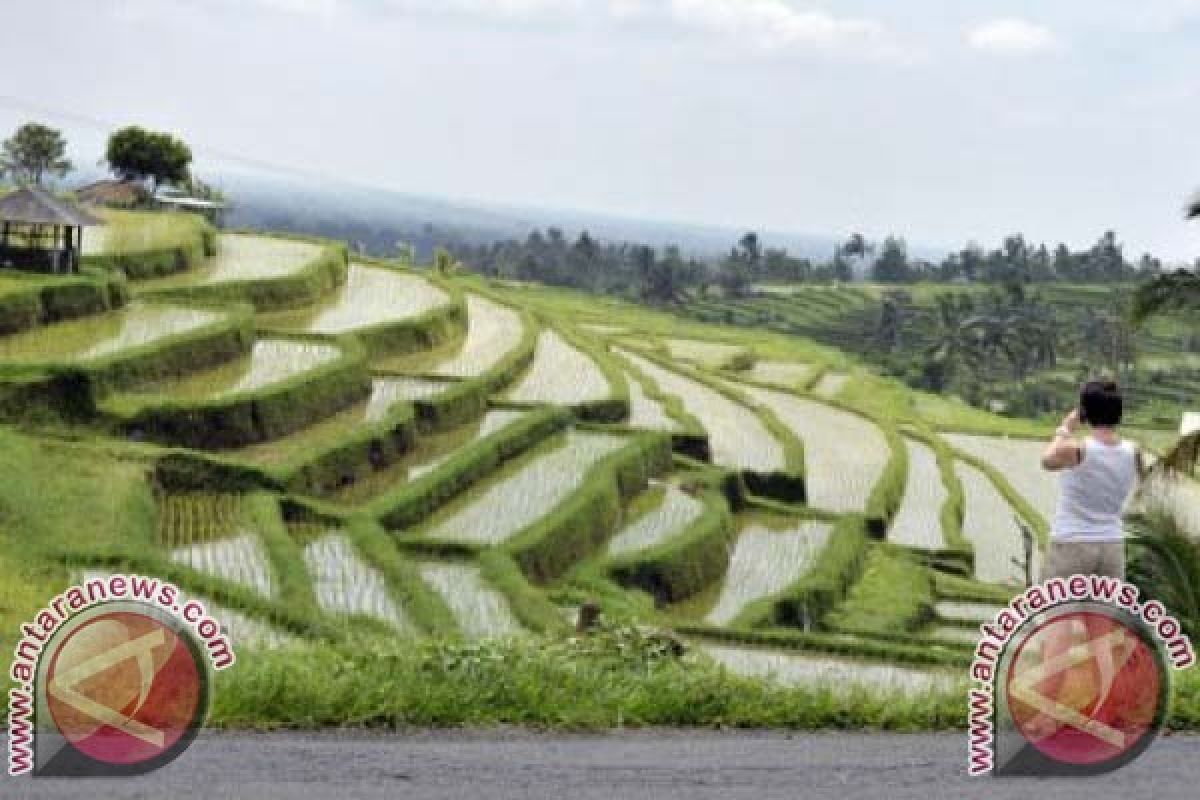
x,y
32,153
135,153
892,264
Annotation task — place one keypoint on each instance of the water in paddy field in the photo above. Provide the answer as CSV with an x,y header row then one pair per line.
x,y
270,361
674,512
838,478
345,584
493,331
88,338
738,438
560,375
480,610
645,411
785,374
765,561
244,257
372,296
838,674
918,522
705,354
989,524
524,493
1019,461
240,559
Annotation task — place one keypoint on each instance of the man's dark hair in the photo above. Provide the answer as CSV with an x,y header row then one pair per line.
x,y
1100,403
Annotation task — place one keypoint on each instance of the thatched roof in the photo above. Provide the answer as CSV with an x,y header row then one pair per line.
x,y
122,194
32,206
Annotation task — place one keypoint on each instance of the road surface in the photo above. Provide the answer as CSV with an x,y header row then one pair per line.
x,y
659,764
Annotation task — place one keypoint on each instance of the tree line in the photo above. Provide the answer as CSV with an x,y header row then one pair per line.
x,y
664,276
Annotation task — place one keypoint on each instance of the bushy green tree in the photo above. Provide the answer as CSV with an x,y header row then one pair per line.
x,y
33,153
135,153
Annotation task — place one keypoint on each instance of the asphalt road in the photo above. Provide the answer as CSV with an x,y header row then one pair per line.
x,y
665,765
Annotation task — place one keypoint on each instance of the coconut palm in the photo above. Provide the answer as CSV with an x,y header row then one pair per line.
x,y
1165,565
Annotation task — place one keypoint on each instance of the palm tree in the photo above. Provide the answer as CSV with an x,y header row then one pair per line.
x,y
1177,291
1165,565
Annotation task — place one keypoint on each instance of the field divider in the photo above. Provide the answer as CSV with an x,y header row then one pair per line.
x,y
1039,524
581,524
691,439
414,501
251,416
302,287
197,241
786,485
46,299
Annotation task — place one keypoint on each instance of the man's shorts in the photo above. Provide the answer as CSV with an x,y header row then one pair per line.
x,y
1065,559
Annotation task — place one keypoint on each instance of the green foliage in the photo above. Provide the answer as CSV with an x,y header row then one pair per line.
x,y
134,153
1165,565
894,594
838,566
33,153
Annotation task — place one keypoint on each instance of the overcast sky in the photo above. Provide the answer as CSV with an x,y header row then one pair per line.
x,y
942,120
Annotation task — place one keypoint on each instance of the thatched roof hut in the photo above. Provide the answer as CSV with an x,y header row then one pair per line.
x,y
41,232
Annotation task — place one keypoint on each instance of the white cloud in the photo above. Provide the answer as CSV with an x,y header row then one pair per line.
x,y
764,25
775,24
1011,36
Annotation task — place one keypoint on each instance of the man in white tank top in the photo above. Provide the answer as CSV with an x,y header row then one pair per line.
x,y
1098,474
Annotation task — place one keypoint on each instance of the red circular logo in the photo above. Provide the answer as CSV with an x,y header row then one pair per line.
x,y
125,687
1085,689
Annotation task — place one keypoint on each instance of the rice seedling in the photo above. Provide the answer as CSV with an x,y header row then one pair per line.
x,y
786,374
766,560
671,511
389,391
1019,461
704,354
831,384
371,296
270,361
845,454
493,331
918,522
87,338
239,559
839,675
524,492
738,438
345,584
967,611
244,257
989,524
645,411
560,375
187,518
480,610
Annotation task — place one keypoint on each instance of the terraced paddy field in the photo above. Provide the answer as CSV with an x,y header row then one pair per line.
x,y
840,675
663,511
371,296
767,558
989,523
918,522
780,373
243,257
645,411
271,361
86,339
705,354
493,332
560,375
430,452
345,584
1019,461
739,439
844,454
479,610
524,491
394,524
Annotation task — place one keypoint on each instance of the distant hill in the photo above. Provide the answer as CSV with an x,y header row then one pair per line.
x,y
377,219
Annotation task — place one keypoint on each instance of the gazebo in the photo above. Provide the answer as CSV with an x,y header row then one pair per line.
x,y
41,232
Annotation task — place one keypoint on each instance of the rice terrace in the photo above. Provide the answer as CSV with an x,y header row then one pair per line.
x,y
430,475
